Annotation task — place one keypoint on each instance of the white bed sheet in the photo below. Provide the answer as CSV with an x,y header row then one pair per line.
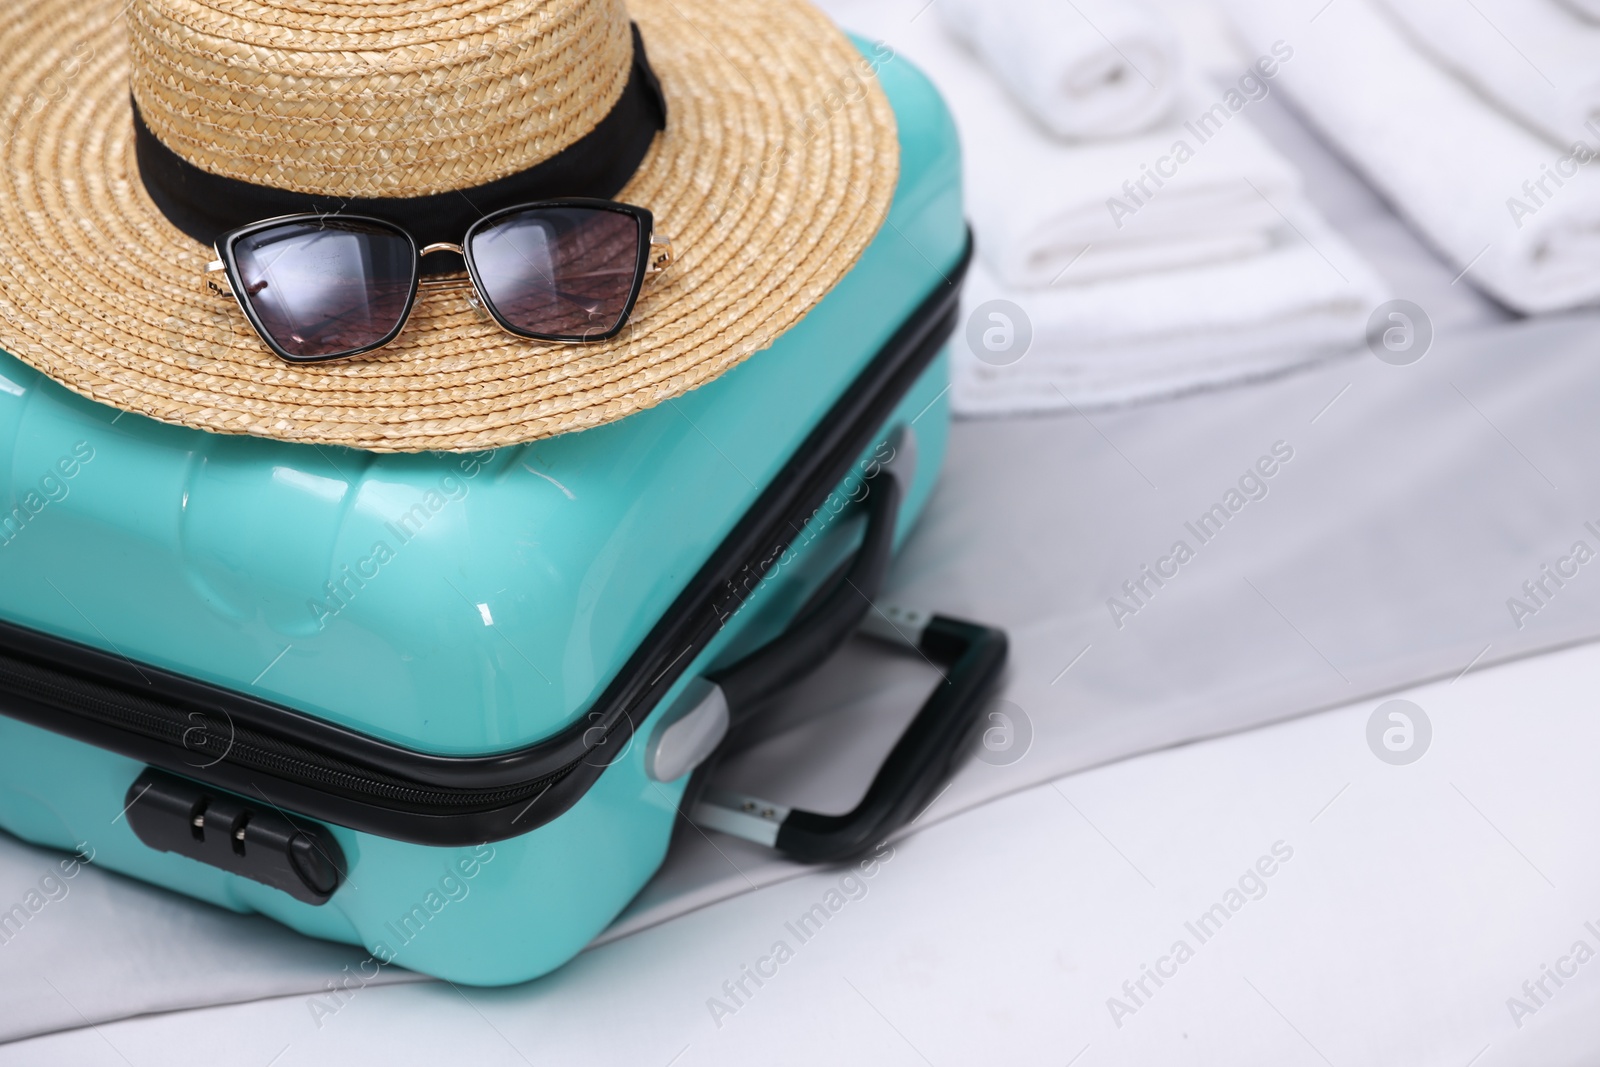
x,y
1414,902
1418,500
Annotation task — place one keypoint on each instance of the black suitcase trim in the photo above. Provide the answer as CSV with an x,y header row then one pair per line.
x,y
297,763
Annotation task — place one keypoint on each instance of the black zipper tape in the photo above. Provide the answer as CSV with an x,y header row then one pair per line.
x,y
301,764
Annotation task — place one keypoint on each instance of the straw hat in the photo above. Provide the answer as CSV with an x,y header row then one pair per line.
x,y
774,171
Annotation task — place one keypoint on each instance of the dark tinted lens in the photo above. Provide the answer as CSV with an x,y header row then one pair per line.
x,y
559,271
327,287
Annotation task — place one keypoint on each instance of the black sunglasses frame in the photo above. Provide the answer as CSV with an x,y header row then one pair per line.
x,y
642,263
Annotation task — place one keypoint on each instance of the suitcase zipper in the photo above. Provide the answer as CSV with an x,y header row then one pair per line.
x,y
234,741
209,739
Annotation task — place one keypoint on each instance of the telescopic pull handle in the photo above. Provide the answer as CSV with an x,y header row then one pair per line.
x,y
916,767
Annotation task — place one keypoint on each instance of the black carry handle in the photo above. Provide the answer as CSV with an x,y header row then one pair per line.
x,y
972,655
826,624
714,707
921,760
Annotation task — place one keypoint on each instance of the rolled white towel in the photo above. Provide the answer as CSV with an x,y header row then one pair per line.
x,y
1519,218
1307,298
1532,57
1086,69
1589,9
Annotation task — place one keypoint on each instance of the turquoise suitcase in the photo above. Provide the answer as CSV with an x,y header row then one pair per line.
x,y
449,707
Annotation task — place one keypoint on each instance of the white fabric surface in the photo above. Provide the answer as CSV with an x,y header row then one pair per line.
x,y
1534,57
1157,335
1444,157
139,949
1589,9
1094,69
1037,204
1413,904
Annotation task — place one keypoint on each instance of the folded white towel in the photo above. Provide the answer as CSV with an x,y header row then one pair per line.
x,y
1047,212
1534,58
1205,281
1589,9
1520,219
1088,69
1164,334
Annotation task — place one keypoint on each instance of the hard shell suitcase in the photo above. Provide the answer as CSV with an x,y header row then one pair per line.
x,y
447,706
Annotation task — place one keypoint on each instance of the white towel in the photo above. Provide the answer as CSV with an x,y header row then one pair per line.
x,y
1050,214
1533,57
1589,9
1205,283
1088,69
1465,174
1042,208
1164,334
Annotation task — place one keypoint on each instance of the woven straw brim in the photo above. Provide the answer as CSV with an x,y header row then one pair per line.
x,y
775,173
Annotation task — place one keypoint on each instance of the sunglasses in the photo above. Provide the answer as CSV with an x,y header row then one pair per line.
x,y
320,287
